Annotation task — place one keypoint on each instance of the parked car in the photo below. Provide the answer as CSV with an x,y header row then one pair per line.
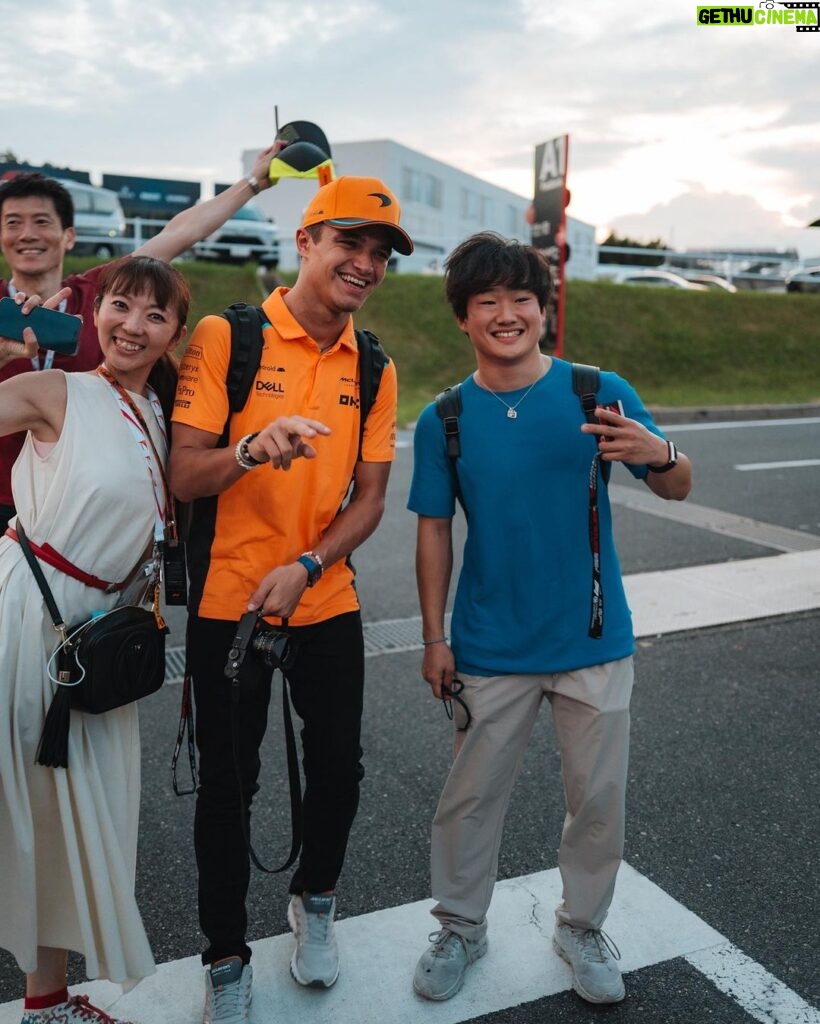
x,y
805,280
248,235
98,220
713,282
654,279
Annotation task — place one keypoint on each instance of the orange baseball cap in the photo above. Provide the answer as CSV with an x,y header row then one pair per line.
x,y
350,202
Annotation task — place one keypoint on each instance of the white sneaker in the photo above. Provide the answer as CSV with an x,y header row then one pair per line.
x,y
78,1010
315,960
228,991
36,1016
591,954
441,968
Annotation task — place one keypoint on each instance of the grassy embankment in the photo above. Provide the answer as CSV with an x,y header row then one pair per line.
x,y
677,348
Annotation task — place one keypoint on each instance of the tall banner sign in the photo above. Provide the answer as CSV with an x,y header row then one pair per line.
x,y
549,228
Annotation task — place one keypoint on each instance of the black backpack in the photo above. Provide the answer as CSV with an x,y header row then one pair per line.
x,y
246,354
585,382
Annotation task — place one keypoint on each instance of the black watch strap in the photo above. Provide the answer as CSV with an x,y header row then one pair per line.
x,y
671,462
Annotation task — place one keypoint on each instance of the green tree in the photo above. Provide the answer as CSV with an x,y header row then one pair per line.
x,y
628,259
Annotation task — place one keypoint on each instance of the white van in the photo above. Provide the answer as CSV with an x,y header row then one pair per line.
x,y
99,220
248,235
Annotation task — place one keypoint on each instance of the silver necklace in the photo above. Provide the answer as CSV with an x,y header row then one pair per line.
x,y
511,413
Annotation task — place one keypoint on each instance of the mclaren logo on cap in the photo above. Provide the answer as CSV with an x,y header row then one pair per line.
x,y
385,200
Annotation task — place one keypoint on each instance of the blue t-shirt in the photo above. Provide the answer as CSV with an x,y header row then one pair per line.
x,y
524,594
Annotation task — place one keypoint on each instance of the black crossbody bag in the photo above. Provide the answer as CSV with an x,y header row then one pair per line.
x,y
107,662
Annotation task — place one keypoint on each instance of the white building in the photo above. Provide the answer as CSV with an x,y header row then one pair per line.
x,y
441,206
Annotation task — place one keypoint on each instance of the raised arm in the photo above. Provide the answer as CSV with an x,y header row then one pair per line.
x,y
197,222
35,402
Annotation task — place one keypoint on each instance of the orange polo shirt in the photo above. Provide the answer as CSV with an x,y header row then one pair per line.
x,y
269,517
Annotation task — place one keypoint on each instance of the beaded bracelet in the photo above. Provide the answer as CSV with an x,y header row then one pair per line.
x,y
243,456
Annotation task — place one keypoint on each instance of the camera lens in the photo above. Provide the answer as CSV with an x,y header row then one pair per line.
x,y
272,647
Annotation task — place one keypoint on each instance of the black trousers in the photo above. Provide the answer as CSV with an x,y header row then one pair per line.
x,y
326,686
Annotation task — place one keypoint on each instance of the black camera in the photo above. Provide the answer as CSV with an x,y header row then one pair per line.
x,y
274,647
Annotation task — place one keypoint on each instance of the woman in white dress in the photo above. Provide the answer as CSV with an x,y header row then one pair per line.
x,y
86,485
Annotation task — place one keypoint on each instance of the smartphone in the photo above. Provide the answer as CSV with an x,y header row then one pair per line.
x,y
616,406
57,331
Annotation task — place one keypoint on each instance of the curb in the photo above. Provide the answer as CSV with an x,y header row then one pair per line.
x,y
668,414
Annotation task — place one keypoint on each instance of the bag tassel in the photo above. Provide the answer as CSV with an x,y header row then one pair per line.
x,y
52,751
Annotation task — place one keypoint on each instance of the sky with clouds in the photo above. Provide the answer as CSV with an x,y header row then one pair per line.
x,y
700,136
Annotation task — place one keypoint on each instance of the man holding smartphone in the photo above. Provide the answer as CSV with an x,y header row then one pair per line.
x,y
36,232
540,611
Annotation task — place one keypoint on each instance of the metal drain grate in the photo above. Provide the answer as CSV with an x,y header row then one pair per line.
x,y
174,664
391,636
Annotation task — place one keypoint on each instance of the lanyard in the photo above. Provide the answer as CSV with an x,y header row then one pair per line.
x,y
35,362
596,615
156,471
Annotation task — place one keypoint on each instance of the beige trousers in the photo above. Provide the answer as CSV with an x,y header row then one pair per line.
x,y
590,710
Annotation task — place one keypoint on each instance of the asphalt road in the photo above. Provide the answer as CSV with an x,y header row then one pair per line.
x,y
723,808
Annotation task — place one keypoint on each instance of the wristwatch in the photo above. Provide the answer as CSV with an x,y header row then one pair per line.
x,y
670,464
314,565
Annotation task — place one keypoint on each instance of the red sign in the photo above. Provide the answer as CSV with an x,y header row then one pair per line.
x,y
549,227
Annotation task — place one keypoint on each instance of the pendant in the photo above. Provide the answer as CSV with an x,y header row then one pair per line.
x,y
512,414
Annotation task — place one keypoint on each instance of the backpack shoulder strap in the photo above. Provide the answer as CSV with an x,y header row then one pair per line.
x,y
585,382
448,408
372,361
246,351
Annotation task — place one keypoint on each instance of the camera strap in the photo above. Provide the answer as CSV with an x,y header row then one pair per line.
x,y
294,782
186,727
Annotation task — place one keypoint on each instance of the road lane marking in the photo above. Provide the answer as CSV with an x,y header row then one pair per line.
x,y
668,601
779,538
747,467
379,952
796,421
761,995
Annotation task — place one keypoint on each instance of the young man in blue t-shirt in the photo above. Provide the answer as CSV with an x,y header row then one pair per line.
x,y
528,619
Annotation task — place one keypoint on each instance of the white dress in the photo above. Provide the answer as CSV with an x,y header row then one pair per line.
x,y
68,837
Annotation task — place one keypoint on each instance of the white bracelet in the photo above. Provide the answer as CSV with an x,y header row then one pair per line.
x,y
243,457
316,558
253,181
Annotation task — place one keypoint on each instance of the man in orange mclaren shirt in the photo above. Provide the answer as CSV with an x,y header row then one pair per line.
x,y
270,535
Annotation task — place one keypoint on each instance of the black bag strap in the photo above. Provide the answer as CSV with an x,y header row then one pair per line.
x,y
247,341
294,782
586,380
186,726
246,351
372,361
45,590
448,408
